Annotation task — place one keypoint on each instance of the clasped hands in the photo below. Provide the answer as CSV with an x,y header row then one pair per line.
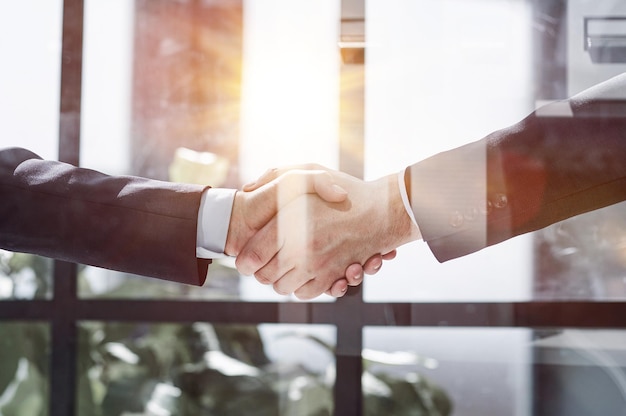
x,y
309,230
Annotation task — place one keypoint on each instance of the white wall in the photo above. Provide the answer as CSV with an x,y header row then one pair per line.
x,y
441,74
30,46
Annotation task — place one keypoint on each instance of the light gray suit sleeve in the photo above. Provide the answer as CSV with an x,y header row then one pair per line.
x,y
548,167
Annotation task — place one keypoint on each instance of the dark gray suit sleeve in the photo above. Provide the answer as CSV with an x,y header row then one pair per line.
x,y
548,167
123,223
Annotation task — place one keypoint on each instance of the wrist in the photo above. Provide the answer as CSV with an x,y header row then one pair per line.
x,y
233,244
398,227
404,184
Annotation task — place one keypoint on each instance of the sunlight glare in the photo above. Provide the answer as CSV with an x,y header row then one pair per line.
x,y
290,85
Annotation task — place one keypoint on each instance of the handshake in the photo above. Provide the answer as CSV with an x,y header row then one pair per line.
x,y
309,230
305,230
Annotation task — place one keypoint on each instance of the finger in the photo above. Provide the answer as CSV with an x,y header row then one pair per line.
x,y
271,174
259,249
292,281
338,289
313,288
298,182
327,189
373,264
287,269
267,176
273,196
278,269
354,274
390,256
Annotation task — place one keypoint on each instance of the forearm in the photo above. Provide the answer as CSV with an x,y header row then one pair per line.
x,y
393,217
562,160
128,224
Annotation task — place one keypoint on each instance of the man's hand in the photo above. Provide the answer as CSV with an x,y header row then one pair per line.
x,y
354,273
306,247
252,210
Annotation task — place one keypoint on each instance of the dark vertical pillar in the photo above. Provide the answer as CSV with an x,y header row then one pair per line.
x,y
550,49
71,73
63,359
348,315
64,341
349,364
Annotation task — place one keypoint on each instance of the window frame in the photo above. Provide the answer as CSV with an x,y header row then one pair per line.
x,y
349,315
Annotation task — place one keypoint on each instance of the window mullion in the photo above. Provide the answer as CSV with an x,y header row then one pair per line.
x,y
64,328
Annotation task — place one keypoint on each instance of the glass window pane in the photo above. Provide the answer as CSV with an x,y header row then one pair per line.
x,y
477,371
583,257
24,276
255,83
202,368
30,44
24,368
446,371
453,72
582,71
578,372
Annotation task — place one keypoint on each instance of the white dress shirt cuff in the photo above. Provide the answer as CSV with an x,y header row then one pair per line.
x,y
214,214
405,197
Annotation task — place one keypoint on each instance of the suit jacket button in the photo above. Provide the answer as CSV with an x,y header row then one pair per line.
x,y
500,201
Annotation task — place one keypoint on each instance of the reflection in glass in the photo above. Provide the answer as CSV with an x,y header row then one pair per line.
x,y
579,372
446,371
477,371
30,42
222,284
441,74
30,76
24,368
164,78
456,71
200,368
25,276
248,85
583,257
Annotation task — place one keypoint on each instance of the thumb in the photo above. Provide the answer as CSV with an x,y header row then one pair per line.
x,y
267,177
273,173
327,189
271,197
295,183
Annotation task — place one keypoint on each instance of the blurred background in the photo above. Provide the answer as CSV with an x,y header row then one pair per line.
x,y
218,91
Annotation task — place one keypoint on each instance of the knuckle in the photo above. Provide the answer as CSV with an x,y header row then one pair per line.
x,y
261,279
264,276
303,295
313,166
326,176
244,265
318,262
270,174
317,245
254,258
311,290
278,288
